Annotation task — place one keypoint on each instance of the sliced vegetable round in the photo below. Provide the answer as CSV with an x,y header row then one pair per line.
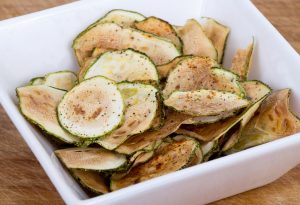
x,y
205,102
92,109
149,138
64,80
168,158
141,107
195,42
38,104
161,28
97,159
125,65
255,90
112,36
91,180
124,18
218,35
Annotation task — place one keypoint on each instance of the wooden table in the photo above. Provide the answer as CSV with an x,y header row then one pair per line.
x,y
23,181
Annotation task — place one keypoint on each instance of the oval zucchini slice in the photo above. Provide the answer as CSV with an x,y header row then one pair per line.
x,y
64,80
160,28
125,65
205,102
141,107
195,42
241,62
275,116
194,73
112,36
124,18
38,104
255,90
37,81
92,109
168,158
96,159
91,180
218,35
141,141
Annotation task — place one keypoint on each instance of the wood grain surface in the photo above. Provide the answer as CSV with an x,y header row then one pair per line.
x,y
23,181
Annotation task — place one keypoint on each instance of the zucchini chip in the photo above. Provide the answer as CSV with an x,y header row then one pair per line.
x,y
37,81
141,141
92,109
168,158
195,42
164,70
255,90
93,181
124,65
194,73
218,35
64,80
141,107
205,102
112,36
124,18
241,62
96,159
208,149
213,131
160,28
38,104
275,116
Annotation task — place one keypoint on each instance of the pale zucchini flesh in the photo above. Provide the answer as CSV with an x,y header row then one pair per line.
x,y
169,158
160,28
93,181
209,119
124,65
195,42
112,36
205,102
141,141
38,104
218,35
92,109
141,106
96,159
241,62
64,80
164,70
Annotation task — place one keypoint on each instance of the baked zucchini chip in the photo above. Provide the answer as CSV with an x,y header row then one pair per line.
x,y
168,158
195,42
38,104
125,65
218,35
149,138
208,119
124,18
92,109
141,106
255,90
37,81
194,73
64,80
96,159
112,36
241,62
92,180
160,28
164,70
205,102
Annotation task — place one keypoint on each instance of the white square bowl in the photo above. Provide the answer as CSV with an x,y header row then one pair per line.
x,y
39,43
